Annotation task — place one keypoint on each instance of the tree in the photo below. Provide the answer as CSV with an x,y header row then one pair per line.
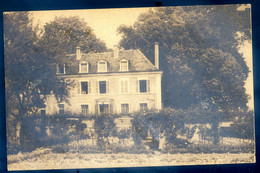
x,y
29,74
198,55
31,60
185,34
62,35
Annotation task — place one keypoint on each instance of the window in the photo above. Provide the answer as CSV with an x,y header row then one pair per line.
x,y
124,86
84,109
102,87
143,107
61,69
61,109
143,86
104,109
84,67
123,65
84,87
124,108
102,66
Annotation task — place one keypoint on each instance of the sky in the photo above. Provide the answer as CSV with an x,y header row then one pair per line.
x,y
105,22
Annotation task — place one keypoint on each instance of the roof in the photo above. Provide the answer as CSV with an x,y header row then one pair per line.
x,y
136,59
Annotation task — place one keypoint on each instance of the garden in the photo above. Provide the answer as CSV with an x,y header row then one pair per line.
x,y
166,137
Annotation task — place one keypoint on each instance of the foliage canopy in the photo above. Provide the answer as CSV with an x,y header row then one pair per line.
x,y
31,59
199,54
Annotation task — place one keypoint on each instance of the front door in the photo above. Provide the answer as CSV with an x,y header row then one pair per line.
x,y
104,109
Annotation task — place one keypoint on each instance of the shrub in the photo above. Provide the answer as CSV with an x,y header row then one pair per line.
x,y
168,123
104,127
123,134
33,131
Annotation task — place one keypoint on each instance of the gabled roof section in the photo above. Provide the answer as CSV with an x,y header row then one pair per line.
x,y
137,61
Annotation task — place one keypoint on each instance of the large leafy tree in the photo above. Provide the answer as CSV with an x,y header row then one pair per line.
x,y
31,58
198,54
29,74
32,55
62,35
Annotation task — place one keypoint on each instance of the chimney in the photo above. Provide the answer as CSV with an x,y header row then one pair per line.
x,y
78,53
156,55
116,51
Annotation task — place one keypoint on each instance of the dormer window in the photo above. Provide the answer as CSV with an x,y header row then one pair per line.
x,y
123,65
61,68
84,67
102,66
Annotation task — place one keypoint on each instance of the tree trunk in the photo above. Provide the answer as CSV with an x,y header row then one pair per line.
x,y
18,132
215,130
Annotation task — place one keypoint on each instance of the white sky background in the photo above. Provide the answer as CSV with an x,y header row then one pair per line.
x,y
105,22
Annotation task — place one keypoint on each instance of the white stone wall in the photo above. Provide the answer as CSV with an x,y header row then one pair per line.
x,y
114,95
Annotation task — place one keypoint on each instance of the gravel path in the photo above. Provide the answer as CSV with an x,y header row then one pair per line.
x,y
74,160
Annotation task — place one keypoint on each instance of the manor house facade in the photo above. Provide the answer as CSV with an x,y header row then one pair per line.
x,y
120,81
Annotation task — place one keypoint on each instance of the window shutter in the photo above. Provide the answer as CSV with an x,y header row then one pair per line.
x,y
121,87
137,86
96,108
78,87
97,87
126,86
89,87
111,106
148,85
107,87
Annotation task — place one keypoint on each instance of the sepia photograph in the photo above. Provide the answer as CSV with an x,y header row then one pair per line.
x,y
129,87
